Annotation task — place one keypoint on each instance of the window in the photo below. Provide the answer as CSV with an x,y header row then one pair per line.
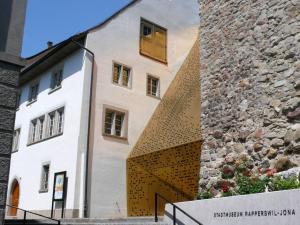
x,y
55,122
45,178
153,41
18,102
33,130
56,79
153,86
121,75
40,126
115,122
51,123
16,138
46,126
33,92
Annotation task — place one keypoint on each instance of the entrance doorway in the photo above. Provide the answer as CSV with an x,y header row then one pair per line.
x,y
15,194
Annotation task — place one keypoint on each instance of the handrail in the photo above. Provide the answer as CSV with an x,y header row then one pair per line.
x,y
26,211
174,210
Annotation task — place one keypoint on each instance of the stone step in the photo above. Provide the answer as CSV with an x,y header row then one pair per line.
x,y
120,221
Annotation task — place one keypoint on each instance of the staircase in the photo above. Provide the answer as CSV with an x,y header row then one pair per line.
x,y
124,221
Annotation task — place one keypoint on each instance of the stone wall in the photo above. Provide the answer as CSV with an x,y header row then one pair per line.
x,y
250,81
9,76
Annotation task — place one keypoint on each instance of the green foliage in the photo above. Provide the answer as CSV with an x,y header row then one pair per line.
x,y
278,183
250,185
204,195
228,193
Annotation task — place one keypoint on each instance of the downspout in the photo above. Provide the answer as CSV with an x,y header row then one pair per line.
x,y
88,132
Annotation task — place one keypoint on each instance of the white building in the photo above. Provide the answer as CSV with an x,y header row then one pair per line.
x,y
137,53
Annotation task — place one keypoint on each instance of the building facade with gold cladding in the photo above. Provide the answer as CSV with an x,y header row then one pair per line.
x,y
166,158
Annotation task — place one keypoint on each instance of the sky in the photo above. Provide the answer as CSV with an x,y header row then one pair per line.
x,y
57,20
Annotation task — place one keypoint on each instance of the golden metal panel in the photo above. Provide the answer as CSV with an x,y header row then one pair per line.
x,y
166,158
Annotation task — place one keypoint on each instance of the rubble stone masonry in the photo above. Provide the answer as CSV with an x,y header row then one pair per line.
x,y
250,83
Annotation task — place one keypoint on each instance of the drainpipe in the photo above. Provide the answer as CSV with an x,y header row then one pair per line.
x,y
88,133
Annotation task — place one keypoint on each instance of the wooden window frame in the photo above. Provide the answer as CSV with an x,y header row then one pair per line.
x,y
120,78
158,88
143,21
124,128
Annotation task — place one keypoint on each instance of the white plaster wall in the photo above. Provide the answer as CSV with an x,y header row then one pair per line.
x,y
61,151
118,40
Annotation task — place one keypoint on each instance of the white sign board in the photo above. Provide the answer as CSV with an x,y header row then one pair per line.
x,y
272,208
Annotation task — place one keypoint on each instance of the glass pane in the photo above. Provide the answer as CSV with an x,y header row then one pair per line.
x,y
118,124
60,121
147,31
108,122
51,124
117,72
126,73
149,86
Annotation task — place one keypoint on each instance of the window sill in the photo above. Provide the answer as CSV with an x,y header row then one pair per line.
x,y
54,89
114,136
31,102
43,191
122,86
45,139
153,58
152,96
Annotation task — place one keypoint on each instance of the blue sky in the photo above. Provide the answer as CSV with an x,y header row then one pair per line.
x,y
56,20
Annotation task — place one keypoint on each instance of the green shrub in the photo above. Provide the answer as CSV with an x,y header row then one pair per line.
x,y
250,185
228,193
278,183
204,195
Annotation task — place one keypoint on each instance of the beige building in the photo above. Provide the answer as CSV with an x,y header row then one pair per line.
x,y
137,55
85,102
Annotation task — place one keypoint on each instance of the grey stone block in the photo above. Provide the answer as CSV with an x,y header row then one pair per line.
x,y
9,73
3,188
7,96
5,143
7,119
4,169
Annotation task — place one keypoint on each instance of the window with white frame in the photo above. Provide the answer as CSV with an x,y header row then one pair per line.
x,y
46,126
121,75
16,139
56,79
114,123
55,122
33,92
153,86
45,178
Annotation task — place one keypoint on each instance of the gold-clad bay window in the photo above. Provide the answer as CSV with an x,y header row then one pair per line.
x,y
153,41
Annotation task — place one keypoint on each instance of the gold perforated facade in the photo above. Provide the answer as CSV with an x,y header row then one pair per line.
x,y
166,158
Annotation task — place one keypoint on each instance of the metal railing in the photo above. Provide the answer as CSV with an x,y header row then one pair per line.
x,y
36,214
175,207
